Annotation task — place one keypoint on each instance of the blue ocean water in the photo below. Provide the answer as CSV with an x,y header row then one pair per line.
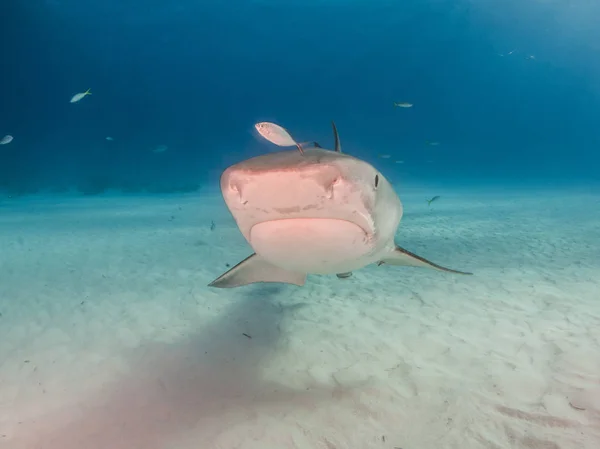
x,y
509,89
112,226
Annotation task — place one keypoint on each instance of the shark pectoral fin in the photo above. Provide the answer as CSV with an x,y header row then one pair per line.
x,y
400,256
256,269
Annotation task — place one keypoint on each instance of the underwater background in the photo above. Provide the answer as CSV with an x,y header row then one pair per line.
x,y
508,92
485,117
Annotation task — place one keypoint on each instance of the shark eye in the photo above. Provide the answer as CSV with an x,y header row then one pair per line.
x,y
376,180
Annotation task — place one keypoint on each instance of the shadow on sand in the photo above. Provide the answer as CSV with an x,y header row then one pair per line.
x,y
195,388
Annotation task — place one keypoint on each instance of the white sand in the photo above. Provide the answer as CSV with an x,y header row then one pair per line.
x,y
110,339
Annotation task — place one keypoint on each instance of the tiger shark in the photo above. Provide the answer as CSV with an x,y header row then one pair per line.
x,y
312,212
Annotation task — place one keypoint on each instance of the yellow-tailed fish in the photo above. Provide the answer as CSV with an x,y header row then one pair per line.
x,y
77,97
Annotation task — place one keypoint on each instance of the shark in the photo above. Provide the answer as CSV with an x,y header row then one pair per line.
x,y
316,211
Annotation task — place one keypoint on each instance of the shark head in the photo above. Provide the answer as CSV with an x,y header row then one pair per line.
x,y
311,212
317,212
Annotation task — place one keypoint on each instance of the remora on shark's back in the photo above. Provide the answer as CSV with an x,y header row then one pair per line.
x,y
312,212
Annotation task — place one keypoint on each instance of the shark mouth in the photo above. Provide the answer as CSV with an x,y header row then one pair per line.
x,y
311,245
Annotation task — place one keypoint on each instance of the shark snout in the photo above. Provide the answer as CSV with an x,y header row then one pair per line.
x,y
283,188
285,195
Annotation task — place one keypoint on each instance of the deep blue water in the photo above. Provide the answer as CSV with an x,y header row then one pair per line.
x,y
197,75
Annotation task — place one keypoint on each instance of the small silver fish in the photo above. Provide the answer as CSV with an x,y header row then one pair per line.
x,y
277,135
77,97
110,139
6,139
403,105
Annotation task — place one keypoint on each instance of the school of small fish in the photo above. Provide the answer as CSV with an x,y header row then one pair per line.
x,y
270,131
407,105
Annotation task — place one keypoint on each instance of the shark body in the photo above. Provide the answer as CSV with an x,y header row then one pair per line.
x,y
313,212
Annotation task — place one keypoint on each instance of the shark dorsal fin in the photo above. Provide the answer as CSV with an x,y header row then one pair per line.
x,y
336,136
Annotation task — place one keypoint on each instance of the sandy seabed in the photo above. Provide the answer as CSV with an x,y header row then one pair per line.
x,y
110,338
